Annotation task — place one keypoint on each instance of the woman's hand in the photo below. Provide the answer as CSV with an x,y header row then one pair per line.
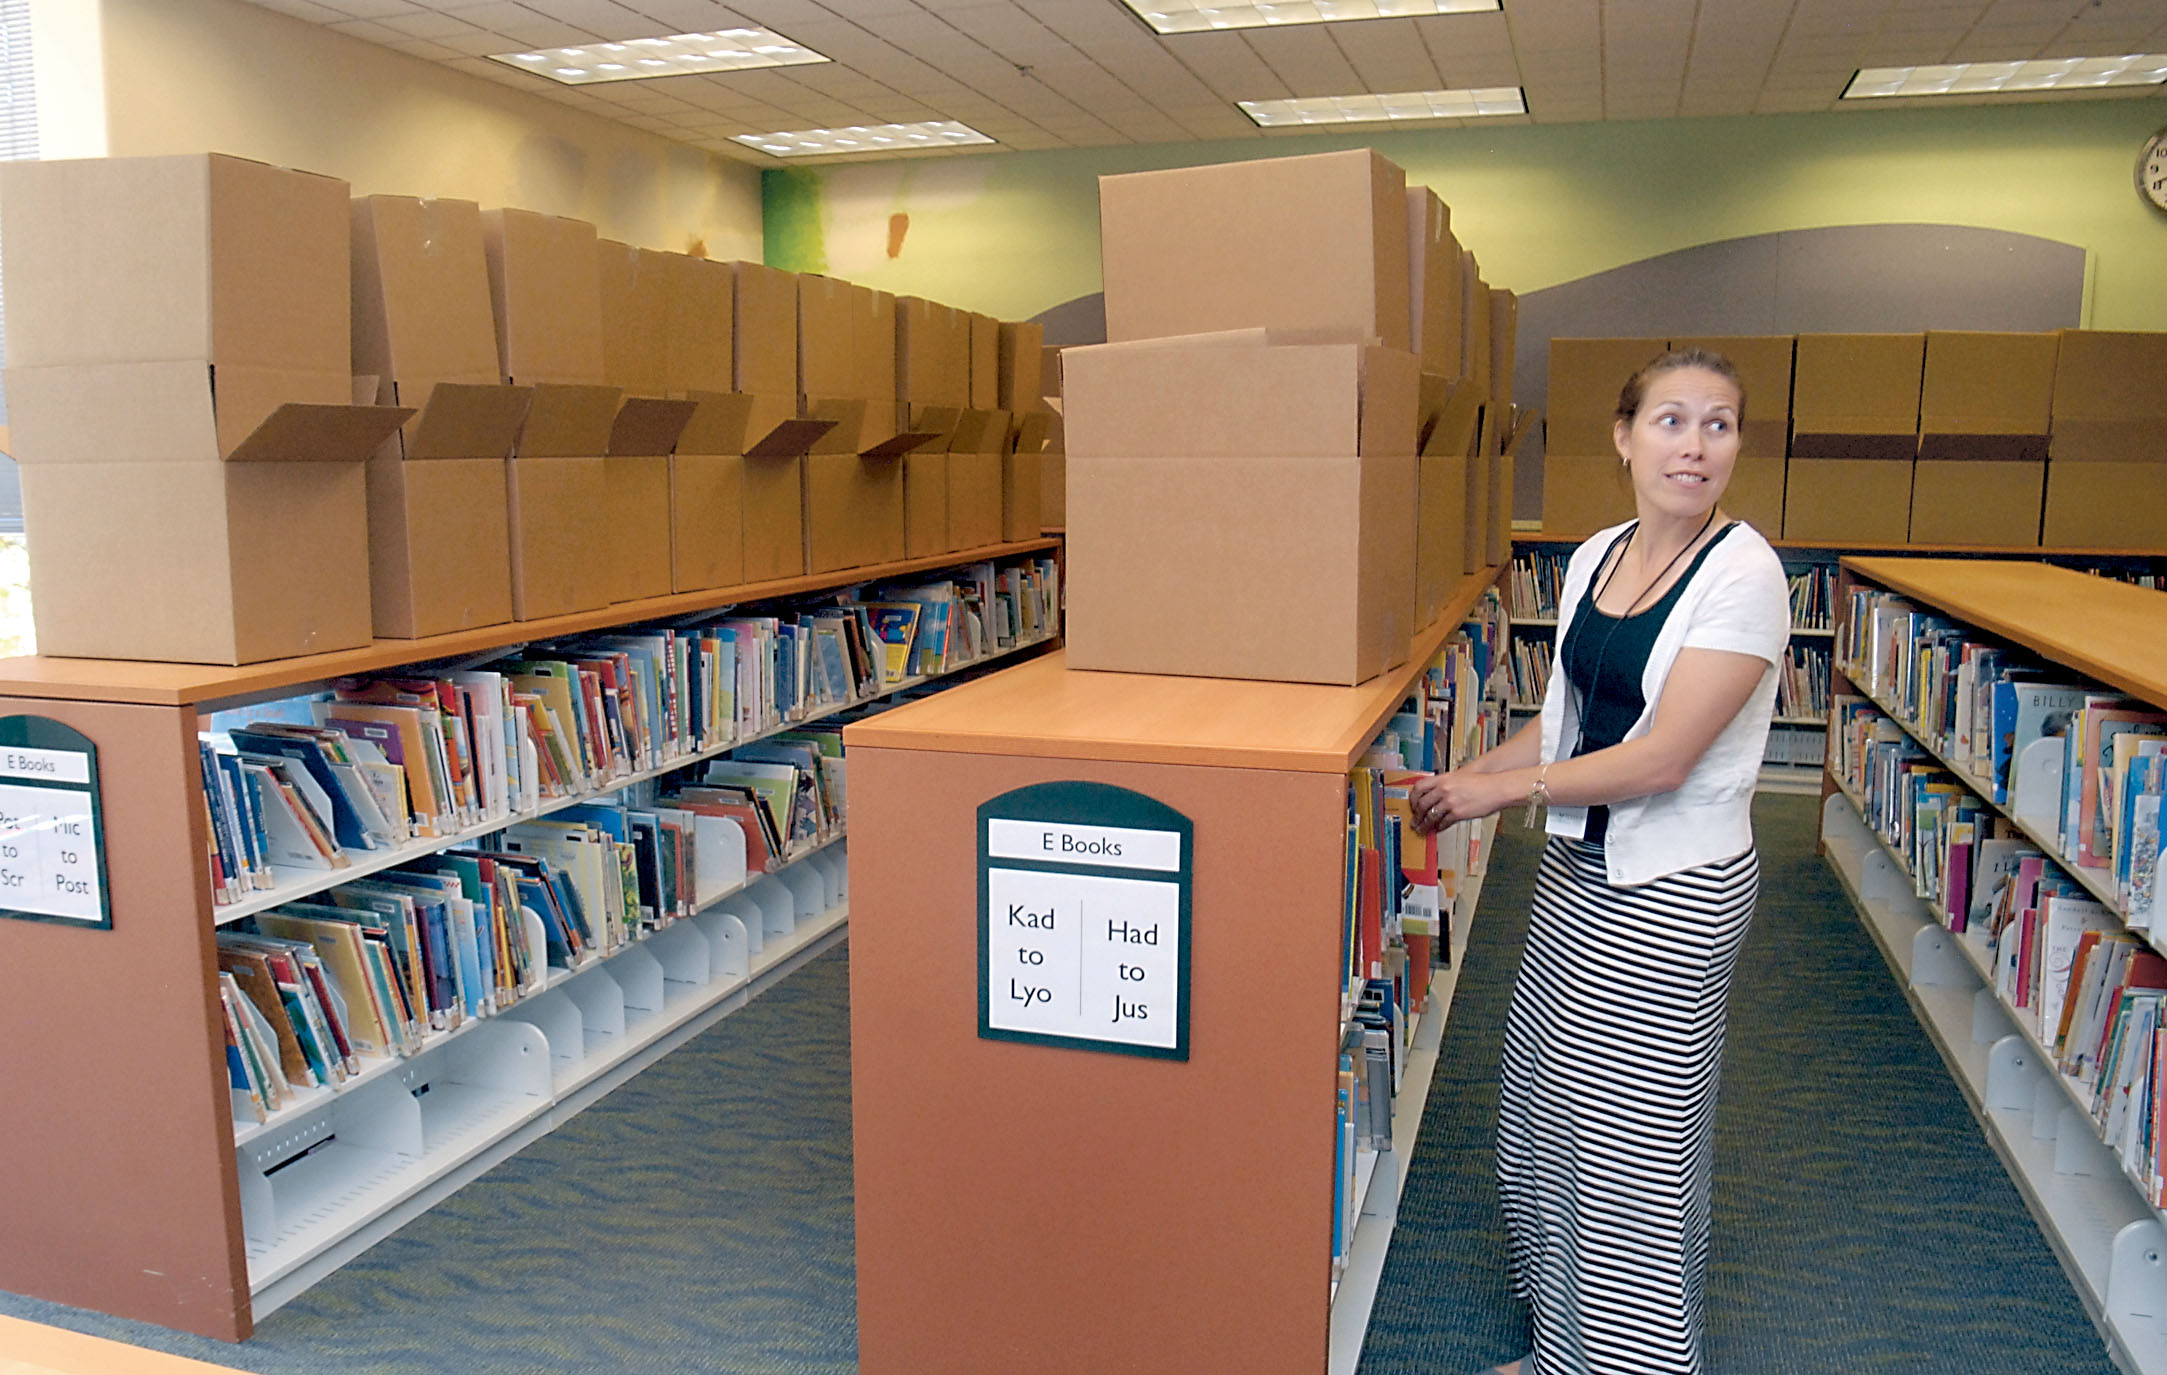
x,y
1444,798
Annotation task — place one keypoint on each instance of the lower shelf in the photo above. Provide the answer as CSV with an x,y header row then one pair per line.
x,y
1379,1213
2111,1243
327,1186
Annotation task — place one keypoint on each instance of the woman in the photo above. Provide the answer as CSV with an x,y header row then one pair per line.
x,y
1646,754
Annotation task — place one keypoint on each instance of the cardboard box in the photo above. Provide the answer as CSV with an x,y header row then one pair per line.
x,y
1023,478
1053,490
2108,404
1239,391
201,256
1049,372
975,461
873,341
1310,578
1022,347
925,504
764,342
636,478
1222,490
1477,332
171,561
423,326
439,512
1581,495
827,336
1986,396
545,288
985,362
1862,501
932,353
853,511
180,405
702,313
719,423
1581,406
775,497
1856,396
1504,339
1475,539
1978,501
558,496
634,286
707,521
159,539
1440,532
1433,283
1764,364
2090,504
1314,242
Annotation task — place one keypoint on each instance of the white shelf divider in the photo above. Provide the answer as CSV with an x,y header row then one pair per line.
x,y
2112,1243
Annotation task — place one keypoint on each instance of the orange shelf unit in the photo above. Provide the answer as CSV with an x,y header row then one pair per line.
x,y
1071,1212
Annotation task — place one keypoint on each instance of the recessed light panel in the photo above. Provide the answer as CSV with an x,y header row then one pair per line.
x,y
1363,109
1202,16
643,59
865,138
1989,78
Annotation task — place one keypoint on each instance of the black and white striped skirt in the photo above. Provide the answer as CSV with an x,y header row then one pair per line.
x,y
1606,1112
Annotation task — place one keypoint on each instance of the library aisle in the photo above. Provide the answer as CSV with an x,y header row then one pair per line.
x,y
1862,1223
699,1219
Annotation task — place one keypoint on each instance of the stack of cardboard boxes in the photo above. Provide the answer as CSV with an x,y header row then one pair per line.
x,y
180,396
1244,490
561,423
1946,437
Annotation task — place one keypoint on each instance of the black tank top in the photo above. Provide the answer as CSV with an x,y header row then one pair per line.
x,y
1605,657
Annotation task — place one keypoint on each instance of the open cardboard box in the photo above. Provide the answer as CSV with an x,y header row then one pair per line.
x,y
180,390
925,480
707,494
170,533
975,450
1854,438
636,476
424,333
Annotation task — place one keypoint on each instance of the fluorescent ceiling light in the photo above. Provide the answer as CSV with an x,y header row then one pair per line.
x,y
1362,109
865,138
643,59
1202,16
1990,78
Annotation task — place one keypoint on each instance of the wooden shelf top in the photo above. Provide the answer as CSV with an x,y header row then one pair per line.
x,y
2108,630
180,685
1045,709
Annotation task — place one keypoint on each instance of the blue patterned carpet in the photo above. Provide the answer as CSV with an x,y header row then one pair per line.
x,y
1862,1223
699,1219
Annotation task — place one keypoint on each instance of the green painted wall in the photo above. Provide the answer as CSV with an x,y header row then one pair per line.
x,y
1013,234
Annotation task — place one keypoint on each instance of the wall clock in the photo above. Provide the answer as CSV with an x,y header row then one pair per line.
x,y
2152,171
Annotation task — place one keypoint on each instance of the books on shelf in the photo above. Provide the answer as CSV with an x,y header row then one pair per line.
x,y
2076,765
397,759
1401,885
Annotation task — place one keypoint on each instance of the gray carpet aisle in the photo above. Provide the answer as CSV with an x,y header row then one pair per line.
x,y
699,1219
1861,1222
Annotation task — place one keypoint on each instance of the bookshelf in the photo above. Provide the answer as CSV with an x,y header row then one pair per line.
x,y
1797,743
1792,763
1068,1210
2094,1209
132,1191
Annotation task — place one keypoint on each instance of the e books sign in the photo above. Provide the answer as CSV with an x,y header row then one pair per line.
x,y
1083,907
52,857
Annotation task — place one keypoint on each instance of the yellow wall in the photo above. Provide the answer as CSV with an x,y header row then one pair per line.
x,y
1013,234
224,76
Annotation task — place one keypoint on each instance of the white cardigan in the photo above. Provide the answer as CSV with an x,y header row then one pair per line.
x,y
1738,600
